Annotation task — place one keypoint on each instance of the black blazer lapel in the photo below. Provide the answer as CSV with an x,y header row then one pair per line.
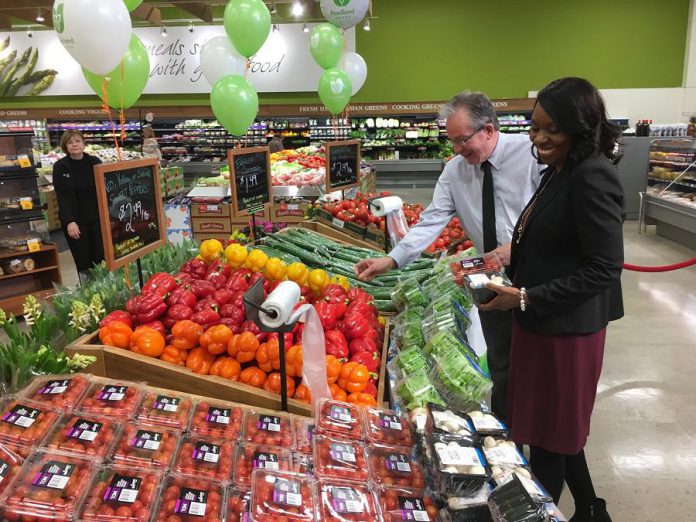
x,y
553,187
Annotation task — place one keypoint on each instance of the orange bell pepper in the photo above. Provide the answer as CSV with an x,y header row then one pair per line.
x,y
333,368
337,393
253,376
361,399
243,347
215,339
293,361
303,393
186,334
147,341
268,356
174,355
226,367
116,334
273,382
353,377
200,361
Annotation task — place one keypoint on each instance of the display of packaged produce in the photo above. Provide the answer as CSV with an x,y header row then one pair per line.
x,y
531,485
20,449
147,445
399,504
344,501
281,496
474,273
387,427
25,423
460,380
62,392
410,332
445,343
486,423
459,468
394,466
121,493
415,390
444,420
271,429
83,435
339,458
168,410
206,457
116,399
191,499
340,419
302,462
51,486
410,360
408,292
304,433
510,502
10,464
418,417
217,419
447,313
502,453
473,508
238,501
250,456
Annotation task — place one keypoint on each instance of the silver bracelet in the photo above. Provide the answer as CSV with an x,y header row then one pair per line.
x,y
523,299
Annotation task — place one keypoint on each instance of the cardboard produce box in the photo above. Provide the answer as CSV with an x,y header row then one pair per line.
x,y
352,229
208,210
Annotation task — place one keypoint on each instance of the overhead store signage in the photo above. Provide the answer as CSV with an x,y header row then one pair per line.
x,y
175,60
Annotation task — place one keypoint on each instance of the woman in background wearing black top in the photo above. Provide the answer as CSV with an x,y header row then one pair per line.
x,y
73,180
566,261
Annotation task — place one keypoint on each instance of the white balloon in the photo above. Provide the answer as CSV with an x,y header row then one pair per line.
x,y
95,32
355,67
344,13
219,58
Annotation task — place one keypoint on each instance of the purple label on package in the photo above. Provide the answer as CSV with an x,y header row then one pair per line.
x,y
269,423
342,452
219,415
148,440
21,416
54,387
123,489
206,452
192,502
340,414
113,393
346,500
390,422
164,403
54,475
413,508
265,460
287,492
85,430
397,462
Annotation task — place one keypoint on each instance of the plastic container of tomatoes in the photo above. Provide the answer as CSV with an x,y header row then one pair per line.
x,y
344,501
191,499
397,504
275,496
303,462
251,456
387,427
86,436
122,493
51,486
62,392
146,445
110,398
26,423
10,464
339,458
169,410
269,428
304,432
394,466
217,419
238,501
338,418
19,449
206,457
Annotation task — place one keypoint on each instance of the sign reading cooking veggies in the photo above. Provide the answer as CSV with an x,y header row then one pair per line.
x,y
342,164
130,209
250,177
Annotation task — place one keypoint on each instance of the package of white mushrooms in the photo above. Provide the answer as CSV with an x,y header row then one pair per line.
x,y
460,467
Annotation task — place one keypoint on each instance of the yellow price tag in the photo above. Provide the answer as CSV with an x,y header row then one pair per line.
x,y
34,245
24,161
26,203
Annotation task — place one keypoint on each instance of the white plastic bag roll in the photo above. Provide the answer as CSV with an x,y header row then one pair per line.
x,y
280,304
383,206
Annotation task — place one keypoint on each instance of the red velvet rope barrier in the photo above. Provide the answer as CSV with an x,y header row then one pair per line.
x,y
663,268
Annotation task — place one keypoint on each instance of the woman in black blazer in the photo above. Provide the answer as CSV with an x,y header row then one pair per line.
x,y
566,261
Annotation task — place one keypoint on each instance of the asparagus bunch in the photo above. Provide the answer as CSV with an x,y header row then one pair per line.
x,y
12,76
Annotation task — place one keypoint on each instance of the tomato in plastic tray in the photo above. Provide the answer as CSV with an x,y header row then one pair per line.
x,y
119,400
475,265
51,486
459,467
303,463
188,499
206,457
168,410
304,432
238,501
10,464
122,493
26,423
143,444
398,504
345,501
338,418
339,458
269,428
62,392
387,427
278,496
252,456
20,449
88,436
394,465
217,419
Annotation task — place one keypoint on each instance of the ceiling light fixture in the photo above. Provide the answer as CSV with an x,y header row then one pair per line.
x,y
305,28
366,26
163,32
274,9
297,8
276,28
30,33
190,26
39,16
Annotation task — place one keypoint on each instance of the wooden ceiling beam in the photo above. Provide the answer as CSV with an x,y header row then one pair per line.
x,y
25,4
198,9
29,14
5,22
149,13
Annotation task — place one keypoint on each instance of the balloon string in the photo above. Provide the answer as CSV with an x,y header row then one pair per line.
x,y
334,122
105,107
122,115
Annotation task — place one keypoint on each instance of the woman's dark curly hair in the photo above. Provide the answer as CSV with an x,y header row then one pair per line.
x,y
577,108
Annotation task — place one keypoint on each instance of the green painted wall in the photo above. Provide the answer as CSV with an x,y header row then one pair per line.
x,y
431,49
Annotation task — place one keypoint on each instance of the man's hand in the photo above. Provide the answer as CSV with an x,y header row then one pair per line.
x,y
367,269
73,230
502,254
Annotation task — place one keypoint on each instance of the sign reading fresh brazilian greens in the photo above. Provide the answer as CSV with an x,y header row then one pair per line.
x,y
130,210
342,164
250,179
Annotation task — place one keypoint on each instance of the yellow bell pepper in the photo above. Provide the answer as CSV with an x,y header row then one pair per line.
x,y
256,260
317,280
275,269
341,281
298,272
235,255
210,250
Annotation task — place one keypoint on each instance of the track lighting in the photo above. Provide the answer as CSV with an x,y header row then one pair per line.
x,y
190,27
163,32
297,8
305,28
30,33
39,17
366,26
274,9
276,28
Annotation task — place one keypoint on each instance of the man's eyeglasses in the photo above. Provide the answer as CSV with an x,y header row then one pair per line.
x,y
463,140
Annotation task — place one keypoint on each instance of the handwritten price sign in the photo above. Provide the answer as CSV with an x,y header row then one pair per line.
x,y
343,159
250,179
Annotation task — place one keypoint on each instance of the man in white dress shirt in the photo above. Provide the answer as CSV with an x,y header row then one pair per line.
x,y
487,184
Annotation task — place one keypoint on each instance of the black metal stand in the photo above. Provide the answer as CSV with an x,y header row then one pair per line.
x,y
140,272
253,226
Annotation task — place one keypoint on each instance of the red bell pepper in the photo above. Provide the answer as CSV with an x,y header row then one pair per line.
x,y
250,326
358,294
182,296
179,312
371,360
223,296
256,276
183,277
234,313
238,300
362,344
202,288
340,305
355,325
146,308
206,318
334,291
327,314
237,283
207,303
288,339
361,307
196,267
229,323
160,283
156,325
118,316
218,267
336,344
371,389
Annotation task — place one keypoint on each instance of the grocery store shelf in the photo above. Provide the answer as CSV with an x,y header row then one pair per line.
x,y
27,272
688,185
674,220
427,165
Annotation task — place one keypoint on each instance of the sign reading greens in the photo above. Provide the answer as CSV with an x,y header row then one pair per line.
x,y
250,179
342,164
130,209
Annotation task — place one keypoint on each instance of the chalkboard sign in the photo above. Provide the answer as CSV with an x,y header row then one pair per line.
x,y
250,179
130,210
342,164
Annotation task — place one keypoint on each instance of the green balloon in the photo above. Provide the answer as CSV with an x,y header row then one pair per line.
x,y
326,45
235,104
247,24
132,4
334,90
127,82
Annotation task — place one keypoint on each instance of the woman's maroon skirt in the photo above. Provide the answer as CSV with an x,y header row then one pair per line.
x,y
552,389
